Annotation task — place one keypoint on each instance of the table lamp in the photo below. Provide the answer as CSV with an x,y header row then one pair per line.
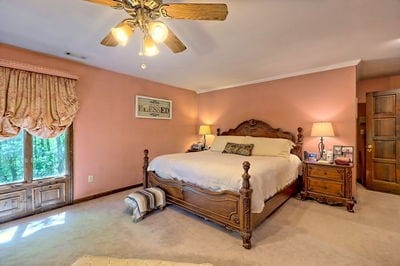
x,y
322,129
205,130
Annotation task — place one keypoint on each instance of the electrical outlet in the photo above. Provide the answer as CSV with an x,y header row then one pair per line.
x,y
90,178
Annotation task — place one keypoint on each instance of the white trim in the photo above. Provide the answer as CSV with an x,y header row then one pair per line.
x,y
294,74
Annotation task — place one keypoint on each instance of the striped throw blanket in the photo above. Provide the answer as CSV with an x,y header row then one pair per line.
x,y
144,201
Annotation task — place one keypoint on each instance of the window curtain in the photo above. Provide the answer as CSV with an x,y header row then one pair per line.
x,y
44,105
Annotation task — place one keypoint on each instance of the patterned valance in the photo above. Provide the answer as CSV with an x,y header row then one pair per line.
x,y
44,105
36,69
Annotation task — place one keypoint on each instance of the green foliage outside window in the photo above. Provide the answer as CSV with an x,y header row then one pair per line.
x,y
12,159
48,158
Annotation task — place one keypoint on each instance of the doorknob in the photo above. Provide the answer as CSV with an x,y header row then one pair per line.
x,y
369,148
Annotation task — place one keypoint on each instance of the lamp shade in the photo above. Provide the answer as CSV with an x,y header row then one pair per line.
x,y
149,47
158,31
205,130
122,34
322,129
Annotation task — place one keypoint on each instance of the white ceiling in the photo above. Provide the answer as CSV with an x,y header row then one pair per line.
x,y
260,40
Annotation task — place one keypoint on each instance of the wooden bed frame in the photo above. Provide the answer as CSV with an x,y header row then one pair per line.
x,y
231,209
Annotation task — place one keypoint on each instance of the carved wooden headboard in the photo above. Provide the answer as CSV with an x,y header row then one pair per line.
x,y
258,128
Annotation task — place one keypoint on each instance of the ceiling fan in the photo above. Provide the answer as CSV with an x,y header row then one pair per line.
x,y
145,14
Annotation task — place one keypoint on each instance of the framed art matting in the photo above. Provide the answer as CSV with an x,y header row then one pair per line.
x,y
148,107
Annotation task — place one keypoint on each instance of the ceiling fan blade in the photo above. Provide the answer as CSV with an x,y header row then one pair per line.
x,y
195,11
174,43
111,3
109,40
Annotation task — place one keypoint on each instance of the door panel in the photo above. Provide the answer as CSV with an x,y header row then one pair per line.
x,y
383,138
385,149
385,127
385,104
384,172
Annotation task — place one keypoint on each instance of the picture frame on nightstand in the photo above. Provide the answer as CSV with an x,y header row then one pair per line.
x,y
348,152
337,151
312,157
343,152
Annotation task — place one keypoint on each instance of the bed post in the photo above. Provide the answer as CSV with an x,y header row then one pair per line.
x,y
299,143
299,153
245,207
145,166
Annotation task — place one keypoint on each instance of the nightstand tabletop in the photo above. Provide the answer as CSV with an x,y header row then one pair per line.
x,y
329,164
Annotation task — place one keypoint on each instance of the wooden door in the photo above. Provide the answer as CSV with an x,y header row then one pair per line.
x,y
383,141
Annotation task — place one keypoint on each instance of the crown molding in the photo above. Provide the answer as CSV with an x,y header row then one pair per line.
x,y
289,75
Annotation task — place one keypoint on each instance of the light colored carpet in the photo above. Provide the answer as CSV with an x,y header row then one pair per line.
x,y
299,233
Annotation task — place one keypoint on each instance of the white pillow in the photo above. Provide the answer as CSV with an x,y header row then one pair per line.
x,y
270,146
219,142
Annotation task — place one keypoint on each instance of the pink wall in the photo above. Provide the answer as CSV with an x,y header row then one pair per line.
x,y
376,84
108,139
290,103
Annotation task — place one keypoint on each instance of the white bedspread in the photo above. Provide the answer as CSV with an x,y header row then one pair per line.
x,y
220,171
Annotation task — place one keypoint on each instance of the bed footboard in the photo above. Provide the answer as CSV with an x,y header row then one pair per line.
x,y
229,208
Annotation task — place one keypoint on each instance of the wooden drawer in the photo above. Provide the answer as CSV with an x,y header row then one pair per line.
x,y
327,172
326,187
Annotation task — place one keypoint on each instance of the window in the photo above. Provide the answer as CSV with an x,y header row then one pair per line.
x,y
12,160
49,157
25,158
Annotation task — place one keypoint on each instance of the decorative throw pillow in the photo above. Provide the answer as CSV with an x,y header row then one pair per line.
x,y
220,142
241,149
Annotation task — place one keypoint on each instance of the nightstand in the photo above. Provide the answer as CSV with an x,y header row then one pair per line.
x,y
190,150
328,183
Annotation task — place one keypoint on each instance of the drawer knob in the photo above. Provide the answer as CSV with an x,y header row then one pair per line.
x,y
325,173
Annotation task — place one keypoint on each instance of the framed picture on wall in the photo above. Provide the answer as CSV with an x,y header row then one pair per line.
x,y
148,107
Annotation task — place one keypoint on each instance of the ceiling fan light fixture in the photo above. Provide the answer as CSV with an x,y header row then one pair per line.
x,y
145,15
122,34
149,47
158,31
